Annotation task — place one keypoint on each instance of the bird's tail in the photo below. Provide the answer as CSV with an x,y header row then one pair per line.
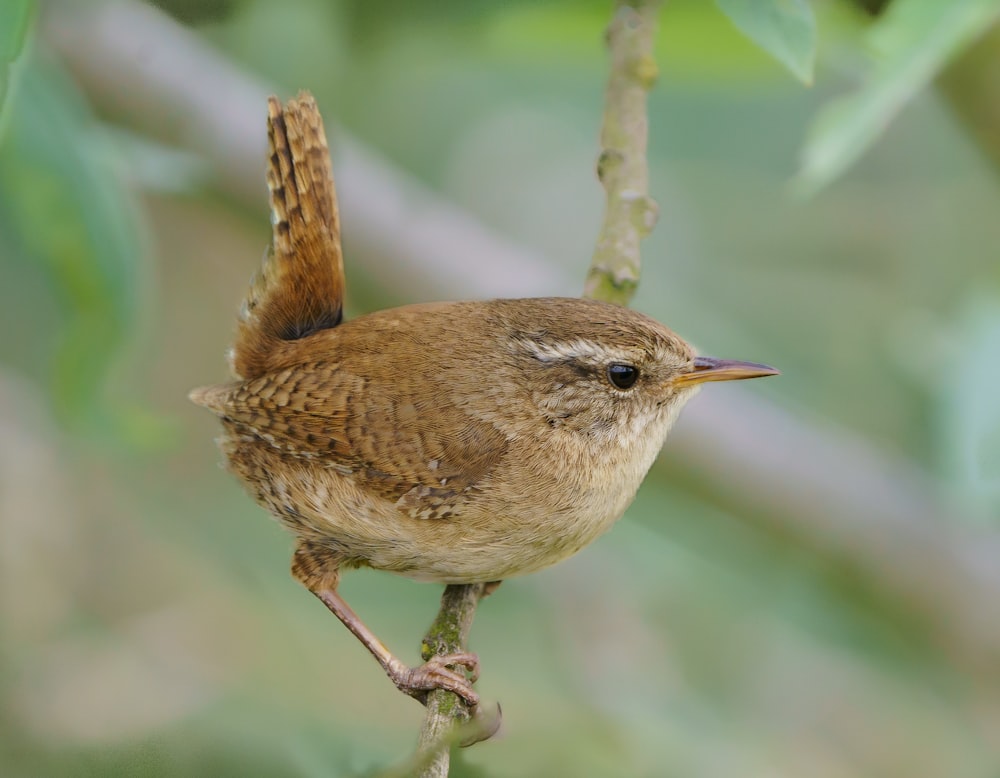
x,y
299,289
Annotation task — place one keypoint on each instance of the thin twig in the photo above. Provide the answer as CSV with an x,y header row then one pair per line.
x,y
447,635
631,213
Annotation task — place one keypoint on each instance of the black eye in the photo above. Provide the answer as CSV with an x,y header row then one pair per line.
x,y
622,376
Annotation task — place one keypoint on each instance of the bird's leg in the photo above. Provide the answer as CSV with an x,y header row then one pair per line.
x,y
317,569
490,587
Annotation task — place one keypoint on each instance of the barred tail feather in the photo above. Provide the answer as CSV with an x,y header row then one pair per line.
x,y
300,286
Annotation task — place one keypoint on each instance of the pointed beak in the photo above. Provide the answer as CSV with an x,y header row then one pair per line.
x,y
712,369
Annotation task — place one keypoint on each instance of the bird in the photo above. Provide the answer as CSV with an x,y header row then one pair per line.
x,y
451,442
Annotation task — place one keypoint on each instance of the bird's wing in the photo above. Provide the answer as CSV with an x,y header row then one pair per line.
x,y
428,456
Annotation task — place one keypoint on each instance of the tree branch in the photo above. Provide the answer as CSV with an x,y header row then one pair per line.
x,y
631,213
446,711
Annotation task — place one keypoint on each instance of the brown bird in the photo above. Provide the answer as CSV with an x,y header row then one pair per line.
x,y
456,442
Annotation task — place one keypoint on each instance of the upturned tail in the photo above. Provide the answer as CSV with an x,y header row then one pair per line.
x,y
299,289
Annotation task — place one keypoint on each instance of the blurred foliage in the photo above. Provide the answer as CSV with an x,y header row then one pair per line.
x,y
910,44
970,418
785,28
150,625
200,11
65,211
15,16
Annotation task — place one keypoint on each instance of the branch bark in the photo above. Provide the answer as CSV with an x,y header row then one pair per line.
x,y
631,213
446,711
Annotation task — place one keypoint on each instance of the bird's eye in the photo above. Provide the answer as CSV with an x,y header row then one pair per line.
x,y
622,376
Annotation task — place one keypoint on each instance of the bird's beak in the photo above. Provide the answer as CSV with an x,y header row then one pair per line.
x,y
712,369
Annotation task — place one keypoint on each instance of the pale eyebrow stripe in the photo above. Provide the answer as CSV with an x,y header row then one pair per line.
x,y
578,348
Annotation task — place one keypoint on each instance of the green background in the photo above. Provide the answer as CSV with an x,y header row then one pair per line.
x,y
730,624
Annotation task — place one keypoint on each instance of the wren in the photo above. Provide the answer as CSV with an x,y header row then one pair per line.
x,y
455,442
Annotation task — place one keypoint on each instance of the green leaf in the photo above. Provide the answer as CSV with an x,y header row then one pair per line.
x,y
785,29
15,16
63,205
911,43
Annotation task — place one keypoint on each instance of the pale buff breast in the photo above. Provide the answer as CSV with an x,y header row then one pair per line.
x,y
490,539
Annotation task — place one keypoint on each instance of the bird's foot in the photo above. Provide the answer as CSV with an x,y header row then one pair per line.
x,y
437,673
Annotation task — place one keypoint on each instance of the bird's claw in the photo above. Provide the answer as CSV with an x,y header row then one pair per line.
x,y
435,673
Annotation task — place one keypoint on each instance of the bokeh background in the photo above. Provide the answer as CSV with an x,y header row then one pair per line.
x,y
808,582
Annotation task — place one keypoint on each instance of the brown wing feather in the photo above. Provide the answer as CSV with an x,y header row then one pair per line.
x,y
300,287
427,457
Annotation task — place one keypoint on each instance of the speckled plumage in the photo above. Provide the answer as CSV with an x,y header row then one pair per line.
x,y
385,442
456,442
